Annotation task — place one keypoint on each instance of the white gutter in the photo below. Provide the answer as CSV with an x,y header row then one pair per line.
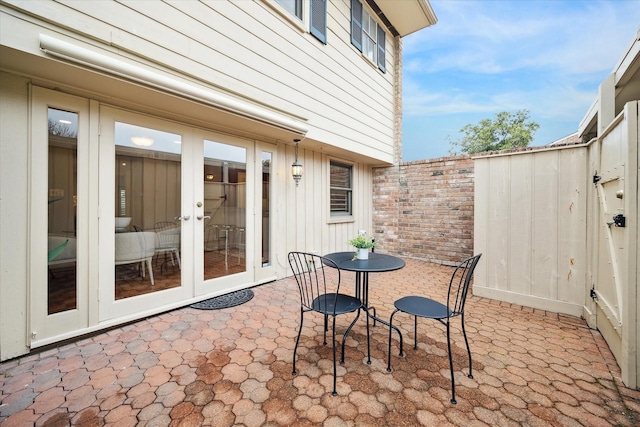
x,y
98,61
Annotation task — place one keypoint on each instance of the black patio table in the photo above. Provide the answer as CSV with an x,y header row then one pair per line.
x,y
376,263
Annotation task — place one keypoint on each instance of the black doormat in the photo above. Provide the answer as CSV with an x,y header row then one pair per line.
x,y
225,301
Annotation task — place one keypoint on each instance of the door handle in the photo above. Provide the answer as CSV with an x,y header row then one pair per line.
x,y
200,217
184,218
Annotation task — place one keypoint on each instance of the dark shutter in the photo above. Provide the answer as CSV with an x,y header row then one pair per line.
x,y
381,52
319,20
356,24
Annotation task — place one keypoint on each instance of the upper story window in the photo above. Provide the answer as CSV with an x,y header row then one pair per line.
x,y
298,9
294,7
367,35
341,190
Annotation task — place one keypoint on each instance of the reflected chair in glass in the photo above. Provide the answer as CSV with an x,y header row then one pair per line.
x,y
136,247
419,306
60,251
168,240
320,292
239,237
212,234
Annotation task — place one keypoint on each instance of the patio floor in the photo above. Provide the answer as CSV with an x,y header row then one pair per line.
x,y
232,367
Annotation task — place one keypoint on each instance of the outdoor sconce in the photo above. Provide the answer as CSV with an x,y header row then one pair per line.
x,y
296,167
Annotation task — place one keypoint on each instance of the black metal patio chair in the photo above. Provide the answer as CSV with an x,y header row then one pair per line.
x,y
419,306
321,294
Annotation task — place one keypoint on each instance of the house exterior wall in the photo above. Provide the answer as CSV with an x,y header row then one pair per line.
x,y
244,51
424,209
244,48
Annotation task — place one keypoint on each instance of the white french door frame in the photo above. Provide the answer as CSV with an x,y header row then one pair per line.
x,y
263,273
137,306
96,303
44,328
229,283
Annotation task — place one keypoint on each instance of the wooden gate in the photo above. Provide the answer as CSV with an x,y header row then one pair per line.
x,y
613,240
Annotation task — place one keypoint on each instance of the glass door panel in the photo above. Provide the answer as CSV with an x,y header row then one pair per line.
x,y
147,209
225,203
264,201
266,217
62,288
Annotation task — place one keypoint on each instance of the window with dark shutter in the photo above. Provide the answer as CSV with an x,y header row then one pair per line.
x,y
381,51
356,24
319,20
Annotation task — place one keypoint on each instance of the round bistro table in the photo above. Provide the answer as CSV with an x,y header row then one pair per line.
x,y
376,263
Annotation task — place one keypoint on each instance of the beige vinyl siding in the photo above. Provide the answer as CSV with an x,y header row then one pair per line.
x,y
303,218
530,211
247,48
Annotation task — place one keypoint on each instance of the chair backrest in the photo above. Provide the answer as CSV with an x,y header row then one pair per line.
x,y
134,246
165,225
167,235
313,280
459,285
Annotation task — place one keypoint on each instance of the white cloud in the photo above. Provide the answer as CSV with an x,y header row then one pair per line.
x,y
483,57
498,36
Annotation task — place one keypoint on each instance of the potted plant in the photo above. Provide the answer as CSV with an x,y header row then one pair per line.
x,y
362,243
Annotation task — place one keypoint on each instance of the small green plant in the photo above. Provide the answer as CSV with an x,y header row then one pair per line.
x,y
362,241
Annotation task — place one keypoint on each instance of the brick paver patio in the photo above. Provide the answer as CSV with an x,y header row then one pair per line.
x,y
232,367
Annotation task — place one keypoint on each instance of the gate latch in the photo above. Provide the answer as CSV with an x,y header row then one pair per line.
x,y
618,220
596,178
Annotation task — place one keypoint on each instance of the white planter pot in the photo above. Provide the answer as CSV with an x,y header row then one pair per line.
x,y
363,253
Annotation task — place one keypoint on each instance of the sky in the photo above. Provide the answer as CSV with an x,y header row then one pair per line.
x,y
487,56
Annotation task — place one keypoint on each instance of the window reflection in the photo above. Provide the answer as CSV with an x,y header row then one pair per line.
x,y
147,205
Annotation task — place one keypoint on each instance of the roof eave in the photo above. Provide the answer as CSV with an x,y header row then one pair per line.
x,y
408,16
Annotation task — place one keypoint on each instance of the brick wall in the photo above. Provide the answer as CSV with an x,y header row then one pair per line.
x,y
424,209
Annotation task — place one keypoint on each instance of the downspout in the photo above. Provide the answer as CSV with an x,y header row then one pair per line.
x,y
397,120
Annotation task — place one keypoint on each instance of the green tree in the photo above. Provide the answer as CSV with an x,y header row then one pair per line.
x,y
504,132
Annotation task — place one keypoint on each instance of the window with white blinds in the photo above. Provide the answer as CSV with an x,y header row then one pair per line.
x,y
341,190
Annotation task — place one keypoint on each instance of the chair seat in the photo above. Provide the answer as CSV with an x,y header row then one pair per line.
x,y
344,304
418,306
421,306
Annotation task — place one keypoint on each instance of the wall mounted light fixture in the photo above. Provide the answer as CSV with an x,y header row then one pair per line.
x,y
296,167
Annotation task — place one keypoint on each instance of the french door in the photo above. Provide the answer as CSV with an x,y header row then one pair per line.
x,y
133,215
175,218
146,221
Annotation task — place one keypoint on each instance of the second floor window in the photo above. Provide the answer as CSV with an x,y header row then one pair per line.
x,y
294,7
340,194
367,35
317,10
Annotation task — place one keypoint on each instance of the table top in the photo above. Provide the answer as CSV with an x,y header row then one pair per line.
x,y
376,262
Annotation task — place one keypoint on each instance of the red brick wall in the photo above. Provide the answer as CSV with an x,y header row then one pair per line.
x,y
424,209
